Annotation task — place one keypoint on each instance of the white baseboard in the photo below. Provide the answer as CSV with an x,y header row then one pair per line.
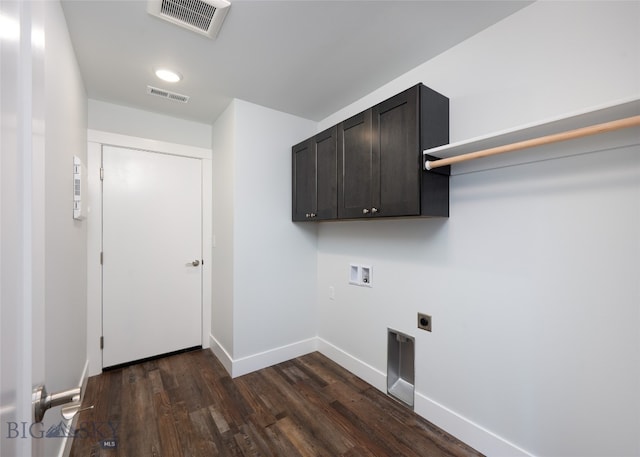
x,y
363,370
244,365
84,379
465,430
65,445
221,353
474,435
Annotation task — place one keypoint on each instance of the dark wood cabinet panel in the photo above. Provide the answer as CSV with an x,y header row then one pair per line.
x,y
304,180
434,132
314,172
379,162
354,166
325,145
397,149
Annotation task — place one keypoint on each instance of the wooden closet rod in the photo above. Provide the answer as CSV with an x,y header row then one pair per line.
x,y
633,121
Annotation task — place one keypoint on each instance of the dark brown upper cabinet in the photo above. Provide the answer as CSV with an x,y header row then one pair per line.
x,y
355,166
315,178
380,172
379,162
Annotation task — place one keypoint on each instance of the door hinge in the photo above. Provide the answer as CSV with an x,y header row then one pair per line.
x,y
101,257
101,174
102,342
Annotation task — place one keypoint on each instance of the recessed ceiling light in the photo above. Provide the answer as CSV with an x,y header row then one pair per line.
x,y
168,75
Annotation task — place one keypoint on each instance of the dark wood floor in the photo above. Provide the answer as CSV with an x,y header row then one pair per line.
x,y
187,405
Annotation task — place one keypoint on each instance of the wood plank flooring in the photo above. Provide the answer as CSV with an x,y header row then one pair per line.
x,y
186,405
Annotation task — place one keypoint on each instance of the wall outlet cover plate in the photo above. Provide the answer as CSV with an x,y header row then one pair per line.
x,y
424,322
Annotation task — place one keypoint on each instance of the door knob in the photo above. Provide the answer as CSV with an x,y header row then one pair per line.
x,y
365,211
195,263
42,400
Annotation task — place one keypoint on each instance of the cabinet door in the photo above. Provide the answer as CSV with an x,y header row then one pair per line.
x,y
396,155
325,145
354,166
304,181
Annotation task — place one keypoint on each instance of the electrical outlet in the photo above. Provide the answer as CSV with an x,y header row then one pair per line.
x,y
424,322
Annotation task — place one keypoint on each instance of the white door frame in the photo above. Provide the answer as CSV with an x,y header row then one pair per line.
x,y
96,139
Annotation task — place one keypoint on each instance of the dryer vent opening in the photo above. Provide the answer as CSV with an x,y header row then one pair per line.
x,y
401,367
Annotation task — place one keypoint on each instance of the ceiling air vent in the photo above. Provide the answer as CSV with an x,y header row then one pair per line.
x,y
166,94
200,16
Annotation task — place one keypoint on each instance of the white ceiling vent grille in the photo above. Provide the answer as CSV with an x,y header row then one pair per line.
x,y
200,16
166,94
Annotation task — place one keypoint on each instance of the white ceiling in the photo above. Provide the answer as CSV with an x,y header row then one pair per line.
x,y
308,58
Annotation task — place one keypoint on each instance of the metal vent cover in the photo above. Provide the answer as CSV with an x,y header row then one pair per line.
x,y
201,16
167,94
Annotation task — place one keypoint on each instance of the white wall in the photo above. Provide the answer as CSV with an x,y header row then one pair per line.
x,y
545,60
532,281
275,259
65,279
65,136
109,117
222,283
264,265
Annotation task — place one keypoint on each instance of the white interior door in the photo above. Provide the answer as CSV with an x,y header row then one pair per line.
x,y
152,245
22,358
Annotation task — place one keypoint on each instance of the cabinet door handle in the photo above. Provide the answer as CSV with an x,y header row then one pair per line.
x,y
365,211
307,215
374,210
313,215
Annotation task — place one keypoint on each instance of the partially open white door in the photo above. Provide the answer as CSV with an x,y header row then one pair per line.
x,y
22,358
152,245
